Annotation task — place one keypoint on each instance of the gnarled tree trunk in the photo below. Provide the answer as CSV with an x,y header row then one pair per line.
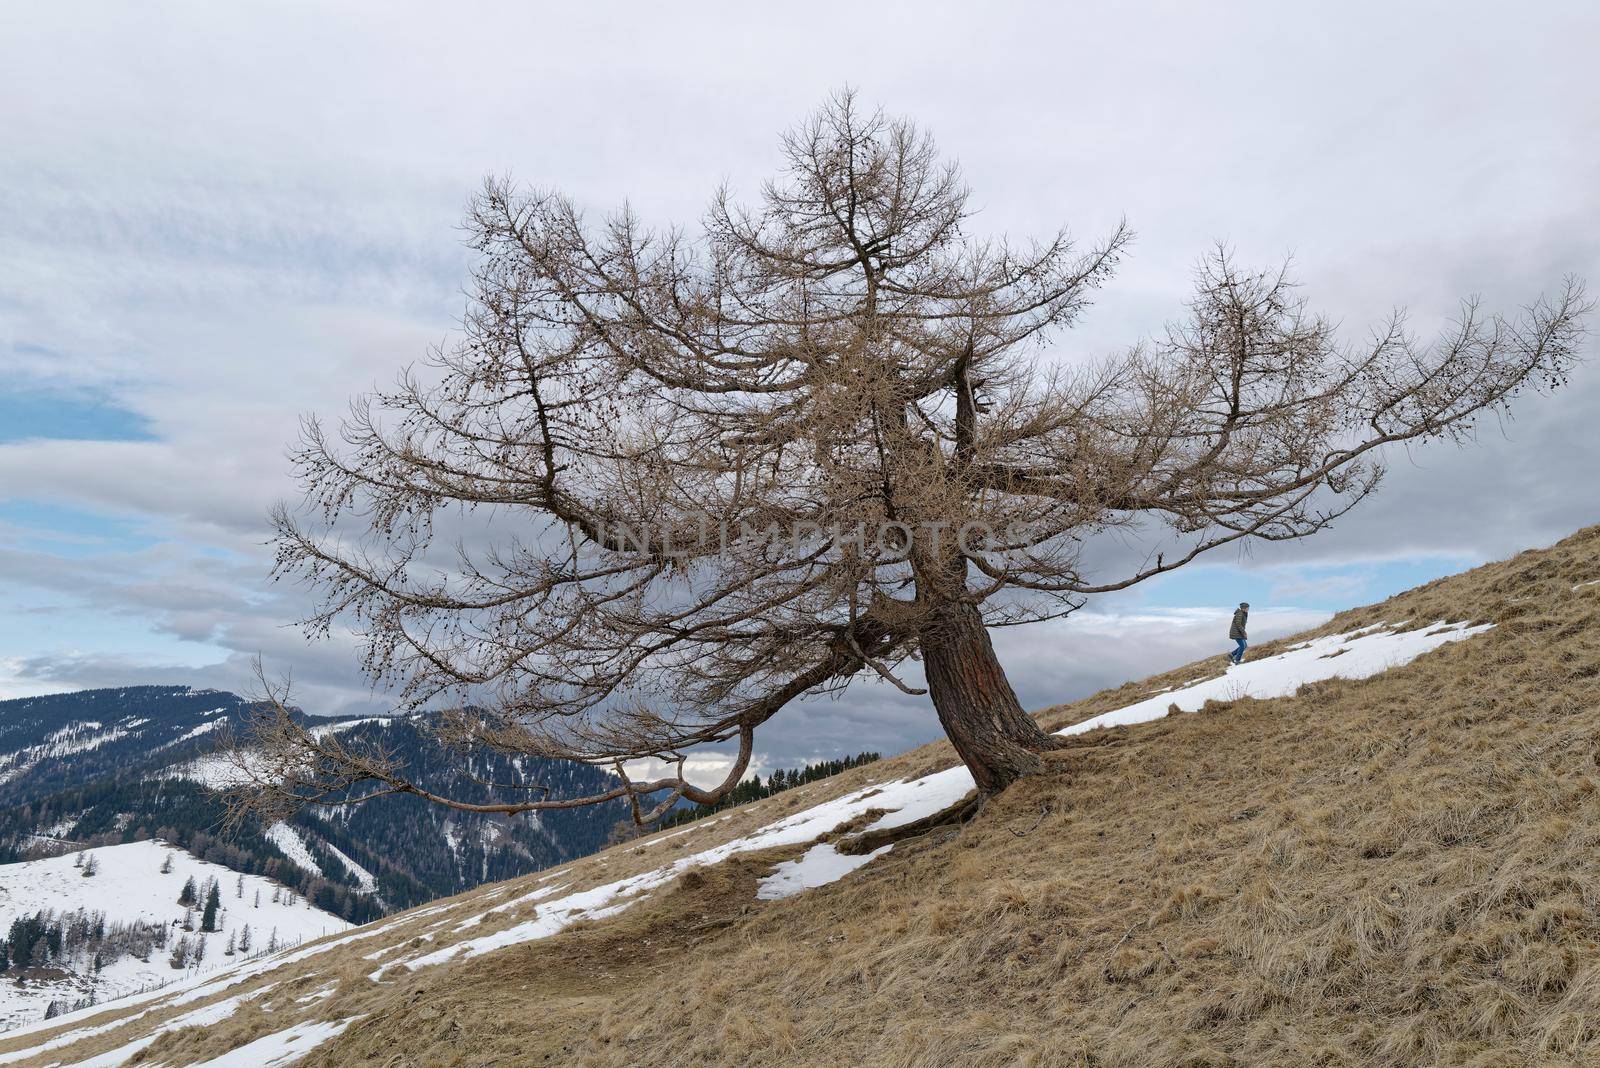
x,y
977,707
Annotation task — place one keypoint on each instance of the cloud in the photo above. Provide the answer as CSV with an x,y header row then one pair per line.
x,y
220,217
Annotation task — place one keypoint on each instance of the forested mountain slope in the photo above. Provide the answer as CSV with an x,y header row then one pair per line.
x,y
104,767
1373,844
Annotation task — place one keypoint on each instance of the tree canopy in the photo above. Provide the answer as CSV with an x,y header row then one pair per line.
x,y
669,481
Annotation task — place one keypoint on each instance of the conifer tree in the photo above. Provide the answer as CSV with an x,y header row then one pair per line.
x,y
186,896
208,919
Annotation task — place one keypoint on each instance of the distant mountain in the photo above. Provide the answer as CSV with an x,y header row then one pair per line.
x,y
67,739
103,767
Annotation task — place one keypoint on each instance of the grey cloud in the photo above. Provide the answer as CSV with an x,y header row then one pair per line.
x,y
236,674
229,216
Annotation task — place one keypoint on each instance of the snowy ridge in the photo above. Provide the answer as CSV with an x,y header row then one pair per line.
x,y
344,725
77,737
179,745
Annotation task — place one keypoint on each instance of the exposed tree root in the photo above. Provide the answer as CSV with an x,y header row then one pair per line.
x,y
1044,810
958,813
1056,747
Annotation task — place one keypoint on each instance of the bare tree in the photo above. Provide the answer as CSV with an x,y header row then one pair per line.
x,y
694,478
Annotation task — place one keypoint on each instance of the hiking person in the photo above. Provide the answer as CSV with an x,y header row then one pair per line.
x,y
1237,633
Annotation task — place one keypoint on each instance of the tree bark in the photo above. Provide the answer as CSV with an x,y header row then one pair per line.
x,y
979,711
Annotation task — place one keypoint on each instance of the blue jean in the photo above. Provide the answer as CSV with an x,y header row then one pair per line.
x,y
1237,656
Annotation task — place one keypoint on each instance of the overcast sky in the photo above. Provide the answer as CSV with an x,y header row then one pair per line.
x,y
215,217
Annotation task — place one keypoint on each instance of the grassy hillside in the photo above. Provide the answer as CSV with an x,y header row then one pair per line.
x,y
1399,870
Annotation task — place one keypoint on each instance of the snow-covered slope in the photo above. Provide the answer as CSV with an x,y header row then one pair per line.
x,y
129,887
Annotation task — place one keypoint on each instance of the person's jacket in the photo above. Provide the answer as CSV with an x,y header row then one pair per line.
x,y
1236,631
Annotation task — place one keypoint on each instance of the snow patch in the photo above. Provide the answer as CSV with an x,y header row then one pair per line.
x,y
821,865
59,830
339,728
294,847
280,1049
517,902
369,884
206,1016
215,772
204,728
1358,654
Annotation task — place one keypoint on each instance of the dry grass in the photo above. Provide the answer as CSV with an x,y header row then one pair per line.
x,y
1399,871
